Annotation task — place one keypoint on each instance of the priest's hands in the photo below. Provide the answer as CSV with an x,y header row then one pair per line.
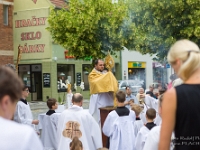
x,y
35,122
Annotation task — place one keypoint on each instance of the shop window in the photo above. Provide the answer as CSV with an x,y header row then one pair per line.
x,y
86,69
24,73
65,76
5,15
159,75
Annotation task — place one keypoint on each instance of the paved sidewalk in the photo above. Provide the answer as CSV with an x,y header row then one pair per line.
x,y
41,107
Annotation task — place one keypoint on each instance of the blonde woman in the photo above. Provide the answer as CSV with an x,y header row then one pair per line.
x,y
181,104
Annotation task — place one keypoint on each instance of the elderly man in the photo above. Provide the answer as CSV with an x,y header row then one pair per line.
x,y
102,86
76,122
141,96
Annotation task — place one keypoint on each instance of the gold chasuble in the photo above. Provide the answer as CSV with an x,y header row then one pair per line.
x,y
102,82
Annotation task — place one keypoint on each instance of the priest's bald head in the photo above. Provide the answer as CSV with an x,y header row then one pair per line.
x,y
77,99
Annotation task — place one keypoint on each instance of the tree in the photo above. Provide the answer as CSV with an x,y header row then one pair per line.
x,y
158,24
89,27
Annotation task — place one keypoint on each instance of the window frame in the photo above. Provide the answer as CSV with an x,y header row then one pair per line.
x,y
59,90
5,13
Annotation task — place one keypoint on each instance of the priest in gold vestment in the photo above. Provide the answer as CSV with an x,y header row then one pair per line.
x,y
103,85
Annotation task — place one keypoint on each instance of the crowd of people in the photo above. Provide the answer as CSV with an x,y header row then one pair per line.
x,y
166,120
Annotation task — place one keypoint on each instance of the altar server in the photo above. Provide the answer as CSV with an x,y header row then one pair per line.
x,y
76,122
23,112
142,134
154,135
118,126
13,135
138,123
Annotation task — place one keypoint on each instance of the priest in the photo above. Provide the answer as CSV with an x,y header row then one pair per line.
x,y
77,122
103,85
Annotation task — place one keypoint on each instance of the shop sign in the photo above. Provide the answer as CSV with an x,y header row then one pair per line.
x,y
46,80
30,22
27,36
67,56
32,48
136,65
78,78
168,66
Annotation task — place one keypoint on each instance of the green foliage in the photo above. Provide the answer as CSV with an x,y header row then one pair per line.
x,y
89,27
157,24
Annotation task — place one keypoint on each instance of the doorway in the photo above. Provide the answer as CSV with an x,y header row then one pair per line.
x,y
32,77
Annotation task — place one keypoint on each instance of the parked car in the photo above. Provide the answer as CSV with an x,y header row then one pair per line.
x,y
135,85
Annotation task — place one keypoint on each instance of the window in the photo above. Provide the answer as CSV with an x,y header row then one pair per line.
x,y
5,14
86,69
159,74
65,75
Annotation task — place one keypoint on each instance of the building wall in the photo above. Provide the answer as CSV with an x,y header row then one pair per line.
x,y
128,56
52,56
6,34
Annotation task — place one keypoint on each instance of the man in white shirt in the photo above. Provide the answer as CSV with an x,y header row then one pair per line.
x,y
76,122
13,135
23,112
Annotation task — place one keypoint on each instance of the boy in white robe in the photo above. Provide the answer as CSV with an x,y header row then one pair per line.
x,y
138,123
154,135
49,131
118,126
151,102
53,105
23,112
14,136
76,122
142,134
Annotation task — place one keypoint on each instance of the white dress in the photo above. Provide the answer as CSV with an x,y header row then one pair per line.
x,y
23,114
16,136
76,121
120,130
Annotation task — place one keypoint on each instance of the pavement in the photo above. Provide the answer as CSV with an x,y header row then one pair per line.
x,y
39,107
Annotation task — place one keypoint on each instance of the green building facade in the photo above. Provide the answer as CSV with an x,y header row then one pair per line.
x,y
45,66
